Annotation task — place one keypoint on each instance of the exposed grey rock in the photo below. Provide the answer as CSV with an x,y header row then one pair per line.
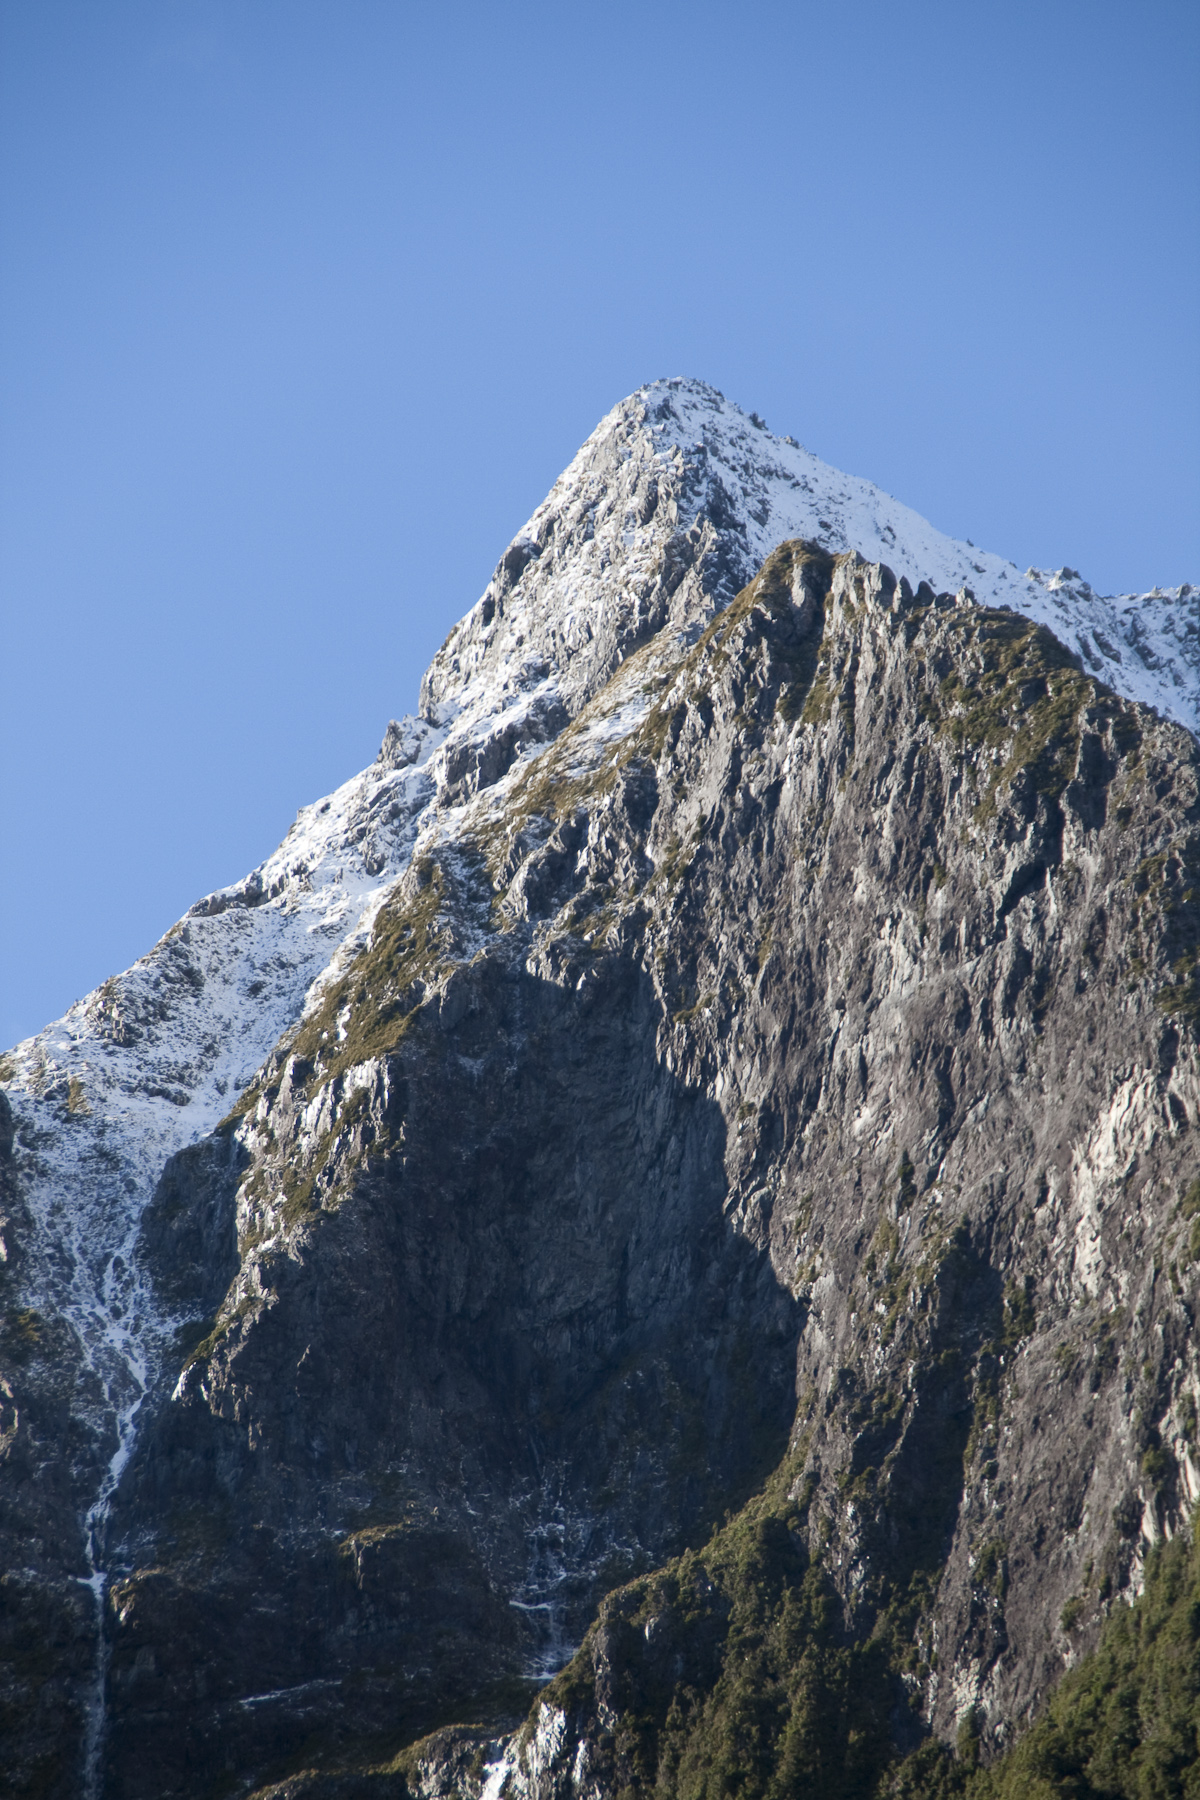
x,y
799,1078
769,1043
402,744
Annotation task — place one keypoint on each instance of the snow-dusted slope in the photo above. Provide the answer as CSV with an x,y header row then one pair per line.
x,y
674,501
666,511
153,1059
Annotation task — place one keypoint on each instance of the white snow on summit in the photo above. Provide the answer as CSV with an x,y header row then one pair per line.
x,y
1146,646
675,501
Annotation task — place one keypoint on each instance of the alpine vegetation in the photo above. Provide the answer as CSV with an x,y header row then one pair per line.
x,y
651,1249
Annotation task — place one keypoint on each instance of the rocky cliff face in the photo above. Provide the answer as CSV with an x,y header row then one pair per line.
x,y
730,1065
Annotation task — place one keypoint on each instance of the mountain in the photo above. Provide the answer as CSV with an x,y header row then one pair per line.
x,y
677,1182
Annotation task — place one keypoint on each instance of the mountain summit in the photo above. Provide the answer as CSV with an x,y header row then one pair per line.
x,y
676,1184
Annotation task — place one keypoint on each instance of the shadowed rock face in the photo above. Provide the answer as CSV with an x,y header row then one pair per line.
x,y
525,1354
793,1069
48,1642
742,1182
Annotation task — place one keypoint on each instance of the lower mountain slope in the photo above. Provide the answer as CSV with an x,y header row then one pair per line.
x,y
738,1682
775,1102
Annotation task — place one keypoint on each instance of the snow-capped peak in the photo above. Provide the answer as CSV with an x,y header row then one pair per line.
x,y
667,510
672,504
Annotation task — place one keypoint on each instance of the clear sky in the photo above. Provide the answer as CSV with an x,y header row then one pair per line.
x,y
304,305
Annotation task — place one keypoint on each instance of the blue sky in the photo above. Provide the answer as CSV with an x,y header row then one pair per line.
x,y
303,307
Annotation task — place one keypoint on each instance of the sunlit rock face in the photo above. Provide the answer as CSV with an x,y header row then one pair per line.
x,y
730,1063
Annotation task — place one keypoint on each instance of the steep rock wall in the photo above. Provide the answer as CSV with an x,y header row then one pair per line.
x,y
797,1061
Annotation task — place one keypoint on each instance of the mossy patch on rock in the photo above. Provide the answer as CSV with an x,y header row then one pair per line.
x,y
1017,694
371,1007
